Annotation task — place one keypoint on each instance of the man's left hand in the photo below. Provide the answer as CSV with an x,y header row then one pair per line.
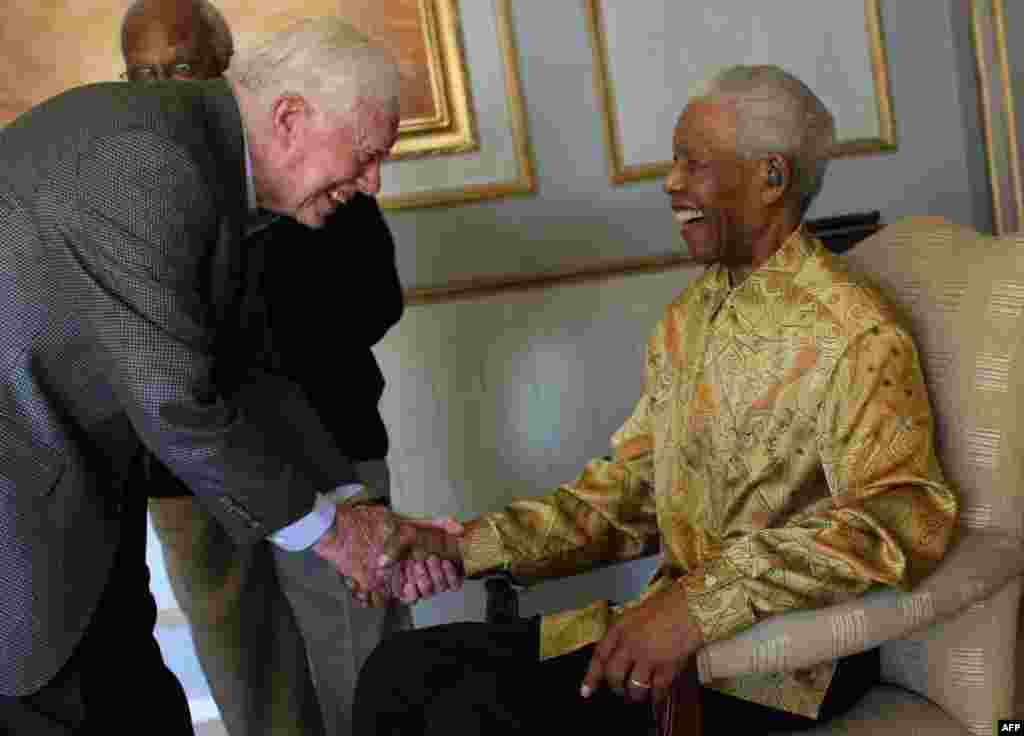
x,y
646,649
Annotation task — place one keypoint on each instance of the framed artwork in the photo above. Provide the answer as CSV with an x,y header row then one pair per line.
x,y
444,154
425,38
1000,84
424,35
640,95
502,164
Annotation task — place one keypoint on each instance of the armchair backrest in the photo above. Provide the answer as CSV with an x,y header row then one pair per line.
x,y
963,294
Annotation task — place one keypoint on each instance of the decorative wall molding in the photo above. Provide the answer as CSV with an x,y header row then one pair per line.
x,y
878,136
998,113
409,174
838,233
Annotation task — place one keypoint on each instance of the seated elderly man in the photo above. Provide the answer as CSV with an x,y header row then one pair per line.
x,y
781,453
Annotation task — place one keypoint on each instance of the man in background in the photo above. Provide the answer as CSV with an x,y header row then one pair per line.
x,y
298,277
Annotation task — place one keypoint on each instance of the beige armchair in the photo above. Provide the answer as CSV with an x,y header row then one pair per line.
x,y
948,647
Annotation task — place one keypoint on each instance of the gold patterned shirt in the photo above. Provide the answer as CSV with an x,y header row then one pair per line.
x,y
781,453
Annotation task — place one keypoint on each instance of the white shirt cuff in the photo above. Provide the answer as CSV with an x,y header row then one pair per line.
x,y
306,532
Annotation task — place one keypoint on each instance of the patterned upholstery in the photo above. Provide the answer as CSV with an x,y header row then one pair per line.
x,y
952,639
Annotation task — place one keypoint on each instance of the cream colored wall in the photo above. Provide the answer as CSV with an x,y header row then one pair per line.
x,y
492,398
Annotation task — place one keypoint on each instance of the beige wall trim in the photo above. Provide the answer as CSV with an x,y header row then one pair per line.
x,y
839,233
483,287
1009,109
978,38
998,116
604,93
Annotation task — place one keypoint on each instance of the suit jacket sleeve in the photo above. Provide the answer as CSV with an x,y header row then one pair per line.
x,y
148,225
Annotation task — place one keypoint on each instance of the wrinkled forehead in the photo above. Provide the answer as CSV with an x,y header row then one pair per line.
x,y
706,123
373,123
163,28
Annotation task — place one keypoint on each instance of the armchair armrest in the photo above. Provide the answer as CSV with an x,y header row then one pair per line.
x,y
977,567
502,598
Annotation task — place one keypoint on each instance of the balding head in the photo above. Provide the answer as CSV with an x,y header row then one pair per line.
x,y
182,39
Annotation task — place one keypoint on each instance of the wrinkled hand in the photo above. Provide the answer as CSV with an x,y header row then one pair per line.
x,y
421,539
423,579
367,542
651,644
412,579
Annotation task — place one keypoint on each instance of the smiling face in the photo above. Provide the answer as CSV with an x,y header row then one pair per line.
x,y
712,189
315,161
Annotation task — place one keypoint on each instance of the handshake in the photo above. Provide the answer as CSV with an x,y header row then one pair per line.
x,y
384,557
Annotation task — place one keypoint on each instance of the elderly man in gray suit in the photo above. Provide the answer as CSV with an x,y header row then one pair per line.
x,y
121,215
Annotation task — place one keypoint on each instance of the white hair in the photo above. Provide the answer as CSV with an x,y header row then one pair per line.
x,y
325,60
213,24
776,113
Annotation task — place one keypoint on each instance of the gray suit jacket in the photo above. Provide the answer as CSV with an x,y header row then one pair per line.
x,y
121,211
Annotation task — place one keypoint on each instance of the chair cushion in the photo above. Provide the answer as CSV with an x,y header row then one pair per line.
x,y
965,665
889,710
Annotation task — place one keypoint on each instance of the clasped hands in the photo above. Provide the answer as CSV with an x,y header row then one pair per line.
x,y
385,557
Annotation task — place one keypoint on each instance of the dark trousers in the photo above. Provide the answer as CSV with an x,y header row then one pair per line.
x,y
486,678
115,680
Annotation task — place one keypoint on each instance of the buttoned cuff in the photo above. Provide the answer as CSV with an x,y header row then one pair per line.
x,y
308,530
718,600
481,548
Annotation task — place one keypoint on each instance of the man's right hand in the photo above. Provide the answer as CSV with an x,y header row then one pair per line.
x,y
370,545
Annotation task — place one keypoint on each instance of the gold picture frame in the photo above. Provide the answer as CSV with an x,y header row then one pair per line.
x,y
524,181
426,38
621,172
424,35
998,114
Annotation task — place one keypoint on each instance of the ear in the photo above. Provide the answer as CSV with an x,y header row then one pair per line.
x,y
776,176
289,115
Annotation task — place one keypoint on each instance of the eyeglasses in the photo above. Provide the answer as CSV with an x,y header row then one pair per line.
x,y
154,72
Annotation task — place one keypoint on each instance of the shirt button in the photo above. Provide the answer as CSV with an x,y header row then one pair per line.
x,y
710,580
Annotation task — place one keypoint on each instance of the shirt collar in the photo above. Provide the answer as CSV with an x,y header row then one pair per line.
x,y
786,261
790,256
250,186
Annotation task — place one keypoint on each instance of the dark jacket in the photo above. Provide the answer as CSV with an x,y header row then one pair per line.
x,y
331,294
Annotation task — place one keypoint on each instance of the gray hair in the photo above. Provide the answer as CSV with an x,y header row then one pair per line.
x,y
213,24
326,60
776,113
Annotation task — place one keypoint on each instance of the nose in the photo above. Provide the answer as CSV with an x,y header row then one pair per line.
x,y
674,179
369,181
